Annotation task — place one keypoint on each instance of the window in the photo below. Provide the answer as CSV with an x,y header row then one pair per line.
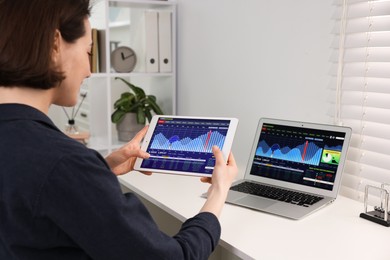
x,y
361,85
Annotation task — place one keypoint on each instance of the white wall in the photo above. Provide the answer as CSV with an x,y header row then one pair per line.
x,y
252,59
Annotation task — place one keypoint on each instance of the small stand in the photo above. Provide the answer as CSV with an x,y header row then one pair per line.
x,y
71,128
72,131
380,214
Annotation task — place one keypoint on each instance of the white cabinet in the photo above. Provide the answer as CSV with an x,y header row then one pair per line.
x,y
123,24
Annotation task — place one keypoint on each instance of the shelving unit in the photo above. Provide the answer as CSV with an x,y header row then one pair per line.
x,y
122,21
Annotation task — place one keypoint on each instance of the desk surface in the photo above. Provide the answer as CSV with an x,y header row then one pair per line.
x,y
333,232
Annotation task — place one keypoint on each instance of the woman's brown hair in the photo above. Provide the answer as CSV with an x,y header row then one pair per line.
x,y
27,31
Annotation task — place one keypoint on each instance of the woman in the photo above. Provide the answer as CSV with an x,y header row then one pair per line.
x,y
58,199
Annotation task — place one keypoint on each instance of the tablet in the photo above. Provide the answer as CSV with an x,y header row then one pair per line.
x,y
183,145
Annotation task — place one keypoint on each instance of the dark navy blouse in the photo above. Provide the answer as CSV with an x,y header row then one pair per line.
x,y
59,200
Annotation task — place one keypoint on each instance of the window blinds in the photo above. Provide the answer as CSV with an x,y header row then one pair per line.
x,y
360,90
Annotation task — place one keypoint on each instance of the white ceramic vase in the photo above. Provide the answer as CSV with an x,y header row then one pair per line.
x,y
128,127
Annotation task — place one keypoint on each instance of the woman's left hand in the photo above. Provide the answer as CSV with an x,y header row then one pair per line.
x,y
122,160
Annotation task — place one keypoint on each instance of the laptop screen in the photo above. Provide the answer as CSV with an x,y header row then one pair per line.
x,y
298,155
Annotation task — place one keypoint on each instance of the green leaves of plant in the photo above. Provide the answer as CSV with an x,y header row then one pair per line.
x,y
136,102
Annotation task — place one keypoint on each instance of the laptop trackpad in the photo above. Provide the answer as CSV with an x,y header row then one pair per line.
x,y
255,202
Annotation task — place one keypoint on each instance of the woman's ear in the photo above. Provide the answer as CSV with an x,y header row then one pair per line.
x,y
56,46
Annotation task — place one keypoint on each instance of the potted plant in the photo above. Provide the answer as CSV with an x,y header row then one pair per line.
x,y
132,110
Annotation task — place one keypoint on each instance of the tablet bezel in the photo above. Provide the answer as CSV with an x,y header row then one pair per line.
x,y
152,126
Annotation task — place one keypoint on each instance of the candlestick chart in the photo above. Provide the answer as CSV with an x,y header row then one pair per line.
x,y
303,151
189,140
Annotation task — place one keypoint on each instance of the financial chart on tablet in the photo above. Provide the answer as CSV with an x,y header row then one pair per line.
x,y
185,144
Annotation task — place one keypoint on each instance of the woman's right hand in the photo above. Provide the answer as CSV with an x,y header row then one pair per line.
x,y
222,177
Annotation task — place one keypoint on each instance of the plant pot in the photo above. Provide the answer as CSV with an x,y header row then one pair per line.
x,y
128,127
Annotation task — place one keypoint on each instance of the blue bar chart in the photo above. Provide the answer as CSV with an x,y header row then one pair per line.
x,y
202,143
185,144
306,152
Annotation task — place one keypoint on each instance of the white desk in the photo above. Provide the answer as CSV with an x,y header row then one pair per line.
x,y
334,232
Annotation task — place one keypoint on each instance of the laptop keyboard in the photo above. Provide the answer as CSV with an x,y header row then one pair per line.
x,y
294,197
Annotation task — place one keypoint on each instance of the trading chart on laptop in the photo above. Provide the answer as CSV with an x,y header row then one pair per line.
x,y
299,155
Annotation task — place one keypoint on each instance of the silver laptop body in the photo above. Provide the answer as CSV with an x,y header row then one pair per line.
x,y
298,156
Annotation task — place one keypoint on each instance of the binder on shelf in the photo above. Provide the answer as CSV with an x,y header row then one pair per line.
x,y
165,40
94,51
102,59
98,55
151,41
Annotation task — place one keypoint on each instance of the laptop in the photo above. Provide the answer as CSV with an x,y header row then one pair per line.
x,y
294,168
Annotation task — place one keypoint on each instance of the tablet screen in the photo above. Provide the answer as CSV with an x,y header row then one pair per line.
x,y
185,144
